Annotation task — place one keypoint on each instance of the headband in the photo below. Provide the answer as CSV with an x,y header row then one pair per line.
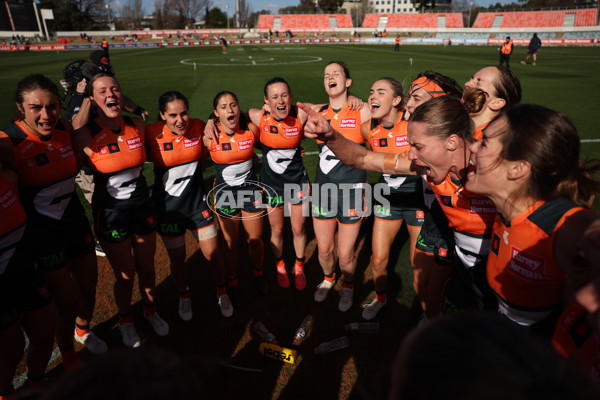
x,y
429,86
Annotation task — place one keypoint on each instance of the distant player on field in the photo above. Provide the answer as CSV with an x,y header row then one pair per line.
x,y
534,45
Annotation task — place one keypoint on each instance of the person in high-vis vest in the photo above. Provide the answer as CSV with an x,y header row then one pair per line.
x,y
505,52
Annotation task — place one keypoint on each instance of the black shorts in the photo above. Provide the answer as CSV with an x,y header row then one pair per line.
x,y
58,243
230,202
276,195
23,287
174,227
401,206
343,201
436,236
116,225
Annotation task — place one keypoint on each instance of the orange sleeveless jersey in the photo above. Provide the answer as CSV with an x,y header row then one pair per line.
x,y
285,134
575,337
521,268
233,148
40,162
345,121
116,161
389,139
167,149
13,220
466,211
478,134
113,152
12,213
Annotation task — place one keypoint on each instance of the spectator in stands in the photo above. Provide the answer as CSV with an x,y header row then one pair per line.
x,y
505,52
534,45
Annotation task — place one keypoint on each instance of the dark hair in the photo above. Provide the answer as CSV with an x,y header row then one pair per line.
x,y
549,142
90,84
473,100
341,64
29,84
216,101
484,356
273,81
168,97
397,89
447,84
508,86
129,374
445,116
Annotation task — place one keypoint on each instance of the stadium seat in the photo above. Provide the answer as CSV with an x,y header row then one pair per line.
x,y
537,19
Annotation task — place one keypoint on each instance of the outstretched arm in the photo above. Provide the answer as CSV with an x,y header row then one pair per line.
x,y
350,153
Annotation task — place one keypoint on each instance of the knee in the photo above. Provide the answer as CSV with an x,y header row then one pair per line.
x,y
325,251
298,232
379,262
277,232
345,259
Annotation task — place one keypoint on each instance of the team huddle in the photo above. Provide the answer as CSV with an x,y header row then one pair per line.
x,y
495,200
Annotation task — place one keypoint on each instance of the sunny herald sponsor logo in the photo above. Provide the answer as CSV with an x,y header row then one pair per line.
x,y
134,143
66,151
481,206
349,123
292,131
245,144
527,265
193,142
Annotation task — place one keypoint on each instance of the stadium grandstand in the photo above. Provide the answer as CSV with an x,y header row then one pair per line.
x,y
19,16
554,27
537,19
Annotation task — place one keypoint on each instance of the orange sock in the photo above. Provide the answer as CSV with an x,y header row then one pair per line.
x,y
149,310
330,278
380,297
299,264
81,332
233,282
125,318
281,264
257,272
70,359
221,290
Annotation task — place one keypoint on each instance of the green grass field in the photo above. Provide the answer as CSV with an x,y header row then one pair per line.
x,y
565,79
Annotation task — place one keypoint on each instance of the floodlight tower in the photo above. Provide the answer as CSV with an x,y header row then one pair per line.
x,y
237,13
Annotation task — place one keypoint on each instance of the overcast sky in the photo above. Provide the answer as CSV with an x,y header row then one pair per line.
x,y
274,5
